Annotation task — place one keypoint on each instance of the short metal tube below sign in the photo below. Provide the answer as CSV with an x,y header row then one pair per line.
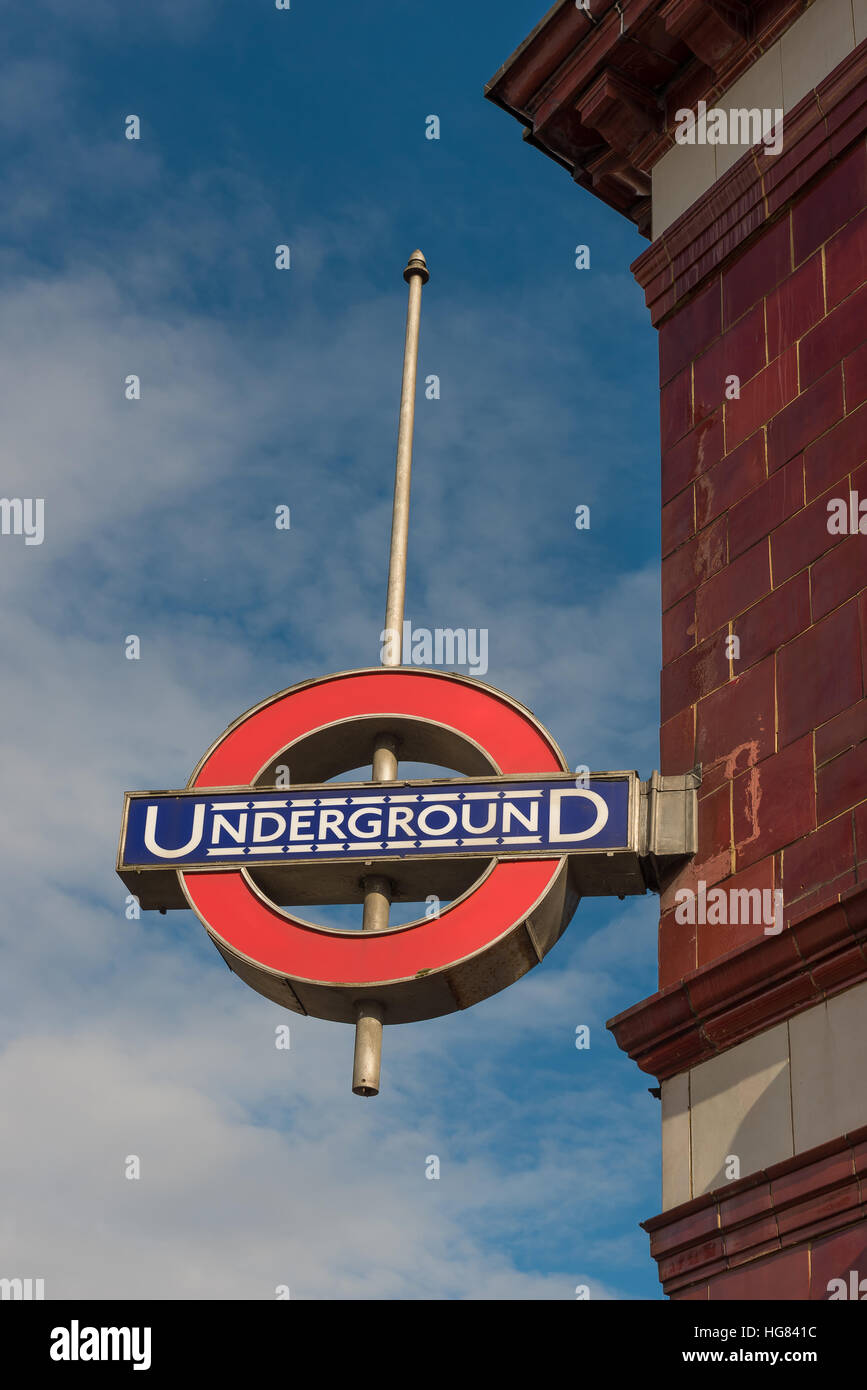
x,y
368,1048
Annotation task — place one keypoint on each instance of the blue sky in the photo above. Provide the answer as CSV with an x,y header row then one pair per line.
x,y
262,387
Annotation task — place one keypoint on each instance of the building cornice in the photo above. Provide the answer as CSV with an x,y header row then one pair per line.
x,y
779,1208
757,189
598,91
748,991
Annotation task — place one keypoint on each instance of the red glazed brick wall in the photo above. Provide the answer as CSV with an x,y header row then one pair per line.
x,y
781,728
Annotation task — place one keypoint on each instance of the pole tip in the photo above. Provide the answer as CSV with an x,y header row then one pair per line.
x,y
417,265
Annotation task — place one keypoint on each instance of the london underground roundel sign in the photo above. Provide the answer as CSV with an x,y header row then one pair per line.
x,y
498,855
259,826
430,966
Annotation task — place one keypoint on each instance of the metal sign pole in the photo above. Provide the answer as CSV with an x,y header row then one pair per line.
x,y
377,888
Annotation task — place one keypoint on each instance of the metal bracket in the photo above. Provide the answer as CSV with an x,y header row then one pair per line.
x,y
668,824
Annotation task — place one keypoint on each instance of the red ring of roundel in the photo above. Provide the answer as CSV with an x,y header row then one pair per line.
x,y
271,937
